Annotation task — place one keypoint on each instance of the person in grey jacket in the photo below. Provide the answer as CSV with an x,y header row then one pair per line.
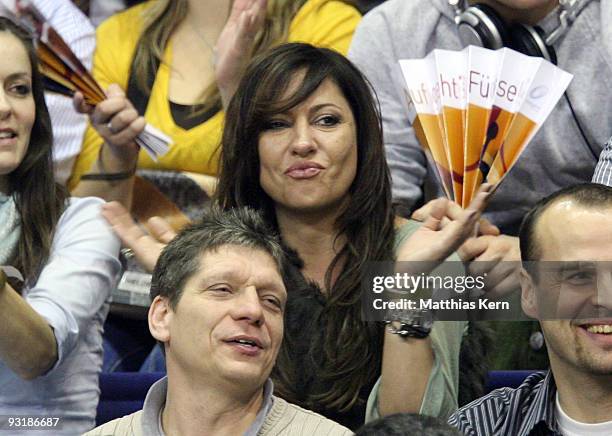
x,y
559,155
564,152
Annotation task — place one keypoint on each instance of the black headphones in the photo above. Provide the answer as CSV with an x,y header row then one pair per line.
x,y
481,25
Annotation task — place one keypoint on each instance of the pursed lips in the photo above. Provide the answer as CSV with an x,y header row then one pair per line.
x,y
304,170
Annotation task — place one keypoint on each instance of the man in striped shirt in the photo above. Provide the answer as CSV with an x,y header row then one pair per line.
x,y
566,248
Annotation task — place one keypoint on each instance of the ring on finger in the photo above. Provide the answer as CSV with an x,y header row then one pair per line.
x,y
110,128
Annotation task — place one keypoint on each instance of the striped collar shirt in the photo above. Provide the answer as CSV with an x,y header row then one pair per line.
x,y
603,171
528,410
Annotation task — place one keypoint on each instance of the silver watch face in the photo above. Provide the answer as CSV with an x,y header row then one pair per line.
x,y
411,322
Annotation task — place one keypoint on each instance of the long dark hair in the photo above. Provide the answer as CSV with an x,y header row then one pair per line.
x,y
40,201
366,222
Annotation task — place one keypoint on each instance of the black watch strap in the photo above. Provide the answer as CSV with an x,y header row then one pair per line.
x,y
407,330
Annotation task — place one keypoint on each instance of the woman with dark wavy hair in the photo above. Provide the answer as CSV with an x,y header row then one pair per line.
x,y
59,254
336,220
303,142
304,123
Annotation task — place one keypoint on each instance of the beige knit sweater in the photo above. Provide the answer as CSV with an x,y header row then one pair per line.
x,y
284,419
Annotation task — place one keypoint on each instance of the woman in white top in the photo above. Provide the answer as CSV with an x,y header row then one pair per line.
x,y
59,261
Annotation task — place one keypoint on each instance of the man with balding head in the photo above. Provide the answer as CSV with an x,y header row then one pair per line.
x,y
566,248
564,151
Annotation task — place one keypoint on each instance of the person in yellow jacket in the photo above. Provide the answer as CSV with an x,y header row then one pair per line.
x,y
179,62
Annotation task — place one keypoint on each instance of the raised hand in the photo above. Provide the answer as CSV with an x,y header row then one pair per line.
x,y
235,44
146,246
452,212
436,239
497,258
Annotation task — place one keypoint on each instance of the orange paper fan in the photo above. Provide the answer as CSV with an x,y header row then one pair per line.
x,y
475,110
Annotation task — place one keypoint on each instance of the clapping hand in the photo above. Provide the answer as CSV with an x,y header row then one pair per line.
x,y
146,246
235,44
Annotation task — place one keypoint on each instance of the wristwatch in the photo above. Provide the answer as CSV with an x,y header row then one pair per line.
x,y
415,323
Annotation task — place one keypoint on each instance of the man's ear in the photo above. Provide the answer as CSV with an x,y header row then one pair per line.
x,y
529,300
160,315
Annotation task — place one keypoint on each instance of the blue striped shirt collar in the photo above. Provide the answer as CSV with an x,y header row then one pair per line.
x,y
542,409
528,410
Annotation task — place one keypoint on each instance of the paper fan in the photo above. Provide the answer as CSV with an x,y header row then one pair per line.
x,y
475,110
65,74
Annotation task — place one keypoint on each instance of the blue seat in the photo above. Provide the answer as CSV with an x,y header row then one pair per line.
x,y
509,379
122,393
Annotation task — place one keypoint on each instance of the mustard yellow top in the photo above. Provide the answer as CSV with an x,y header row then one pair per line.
x,y
324,23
